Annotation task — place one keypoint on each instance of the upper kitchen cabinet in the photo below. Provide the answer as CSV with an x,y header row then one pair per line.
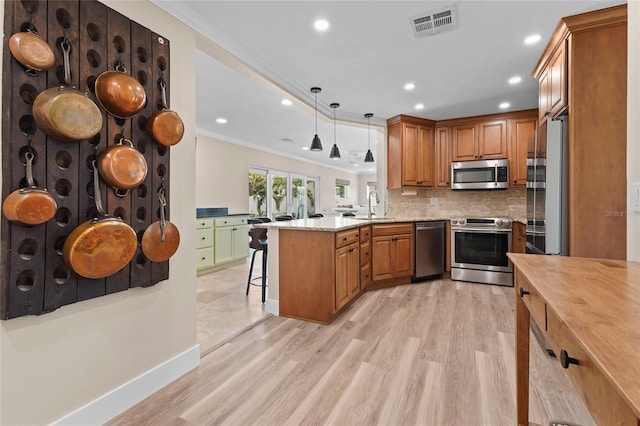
x,y
552,83
410,152
593,72
521,132
484,140
443,157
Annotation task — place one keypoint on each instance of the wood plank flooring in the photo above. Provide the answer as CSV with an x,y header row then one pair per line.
x,y
432,353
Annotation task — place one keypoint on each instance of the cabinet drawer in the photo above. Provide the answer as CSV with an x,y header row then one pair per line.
x,y
365,253
365,276
603,401
392,229
536,305
204,238
365,233
230,221
345,238
204,257
204,223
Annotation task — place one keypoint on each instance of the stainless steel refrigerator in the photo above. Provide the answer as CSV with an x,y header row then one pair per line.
x,y
547,230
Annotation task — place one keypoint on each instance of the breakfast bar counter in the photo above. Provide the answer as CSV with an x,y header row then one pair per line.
x,y
589,311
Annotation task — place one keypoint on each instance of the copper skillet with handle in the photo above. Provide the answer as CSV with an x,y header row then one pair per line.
x,y
162,238
65,113
102,246
120,94
31,205
165,126
122,166
30,50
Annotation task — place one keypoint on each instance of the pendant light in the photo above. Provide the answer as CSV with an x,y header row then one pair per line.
x,y
335,152
369,157
316,145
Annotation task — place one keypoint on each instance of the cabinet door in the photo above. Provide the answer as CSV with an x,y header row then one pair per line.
x,y
402,256
240,242
425,156
410,149
463,142
223,244
558,81
443,157
342,276
381,261
544,91
354,271
521,134
492,140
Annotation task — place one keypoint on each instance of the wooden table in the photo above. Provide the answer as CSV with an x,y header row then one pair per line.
x,y
589,311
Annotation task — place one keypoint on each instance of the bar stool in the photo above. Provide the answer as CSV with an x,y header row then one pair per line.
x,y
284,217
315,215
258,243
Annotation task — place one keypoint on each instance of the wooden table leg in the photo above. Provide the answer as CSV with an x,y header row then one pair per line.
x,y
522,361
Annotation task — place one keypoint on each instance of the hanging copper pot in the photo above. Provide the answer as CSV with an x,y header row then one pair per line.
x,y
65,113
31,51
102,246
165,126
31,205
120,94
161,239
122,166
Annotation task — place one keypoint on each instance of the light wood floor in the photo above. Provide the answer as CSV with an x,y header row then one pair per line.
x,y
432,353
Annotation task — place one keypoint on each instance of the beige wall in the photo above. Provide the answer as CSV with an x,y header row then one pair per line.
x,y
633,127
222,169
53,364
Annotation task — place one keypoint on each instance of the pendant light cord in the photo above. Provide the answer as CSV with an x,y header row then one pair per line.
x,y
316,93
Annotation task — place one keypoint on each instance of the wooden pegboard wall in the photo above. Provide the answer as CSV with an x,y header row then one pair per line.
x,y
35,279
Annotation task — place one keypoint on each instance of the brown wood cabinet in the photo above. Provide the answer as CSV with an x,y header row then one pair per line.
x,y
442,157
392,253
552,83
484,140
347,274
521,145
594,76
365,257
519,237
410,152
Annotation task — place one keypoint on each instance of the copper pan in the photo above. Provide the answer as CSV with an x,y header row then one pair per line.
x,y
162,238
165,126
31,51
120,94
31,205
102,246
65,113
122,166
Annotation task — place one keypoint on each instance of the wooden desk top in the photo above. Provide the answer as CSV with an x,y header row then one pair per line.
x,y
599,301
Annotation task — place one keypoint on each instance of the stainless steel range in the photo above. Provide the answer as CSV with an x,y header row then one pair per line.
x,y
479,248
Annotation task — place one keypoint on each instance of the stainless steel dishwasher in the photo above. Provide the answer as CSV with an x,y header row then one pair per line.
x,y
429,254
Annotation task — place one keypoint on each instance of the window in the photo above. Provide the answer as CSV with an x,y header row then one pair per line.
x,y
342,188
273,193
257,192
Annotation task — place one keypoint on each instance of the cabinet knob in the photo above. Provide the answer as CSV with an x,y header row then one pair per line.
x,y
523,292
548,113
203,258
515,181
344,239
447,183
565,359
203,238
481,156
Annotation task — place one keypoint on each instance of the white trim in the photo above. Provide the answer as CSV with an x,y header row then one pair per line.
x,y
272,306
111,404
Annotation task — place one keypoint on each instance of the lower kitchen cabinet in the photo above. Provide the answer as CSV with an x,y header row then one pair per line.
x,y
392,253
347,274
221,241
365,256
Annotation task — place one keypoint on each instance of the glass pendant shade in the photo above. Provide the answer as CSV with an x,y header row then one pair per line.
x,y
335,152
316,145
368,158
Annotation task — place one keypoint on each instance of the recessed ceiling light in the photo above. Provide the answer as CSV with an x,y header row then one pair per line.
x,y
355,165
305,148
532,39
321,25
504,105
409,86
515,80
419,106
221,120
286,102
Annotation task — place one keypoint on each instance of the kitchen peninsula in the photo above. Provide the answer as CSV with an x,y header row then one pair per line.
x,y
318,266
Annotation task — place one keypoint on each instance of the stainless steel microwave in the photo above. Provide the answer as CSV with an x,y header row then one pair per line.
x,y
481,174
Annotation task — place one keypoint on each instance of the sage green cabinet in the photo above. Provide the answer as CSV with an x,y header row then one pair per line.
x,y
221,241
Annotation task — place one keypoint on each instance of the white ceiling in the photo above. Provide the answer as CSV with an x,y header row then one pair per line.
x,y
256,53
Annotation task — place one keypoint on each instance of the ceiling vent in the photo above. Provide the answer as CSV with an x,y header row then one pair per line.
x,y
434,22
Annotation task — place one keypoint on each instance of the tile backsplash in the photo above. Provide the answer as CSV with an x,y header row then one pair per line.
x,y
445,203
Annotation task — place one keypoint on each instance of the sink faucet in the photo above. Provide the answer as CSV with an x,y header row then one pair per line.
x,y
372,209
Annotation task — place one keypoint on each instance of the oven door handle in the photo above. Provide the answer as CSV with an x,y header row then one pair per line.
x,y
486,231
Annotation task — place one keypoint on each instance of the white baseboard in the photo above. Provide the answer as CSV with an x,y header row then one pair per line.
x,y
272,306
111,404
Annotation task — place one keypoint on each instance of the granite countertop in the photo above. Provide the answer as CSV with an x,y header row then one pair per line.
x,y
338,223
